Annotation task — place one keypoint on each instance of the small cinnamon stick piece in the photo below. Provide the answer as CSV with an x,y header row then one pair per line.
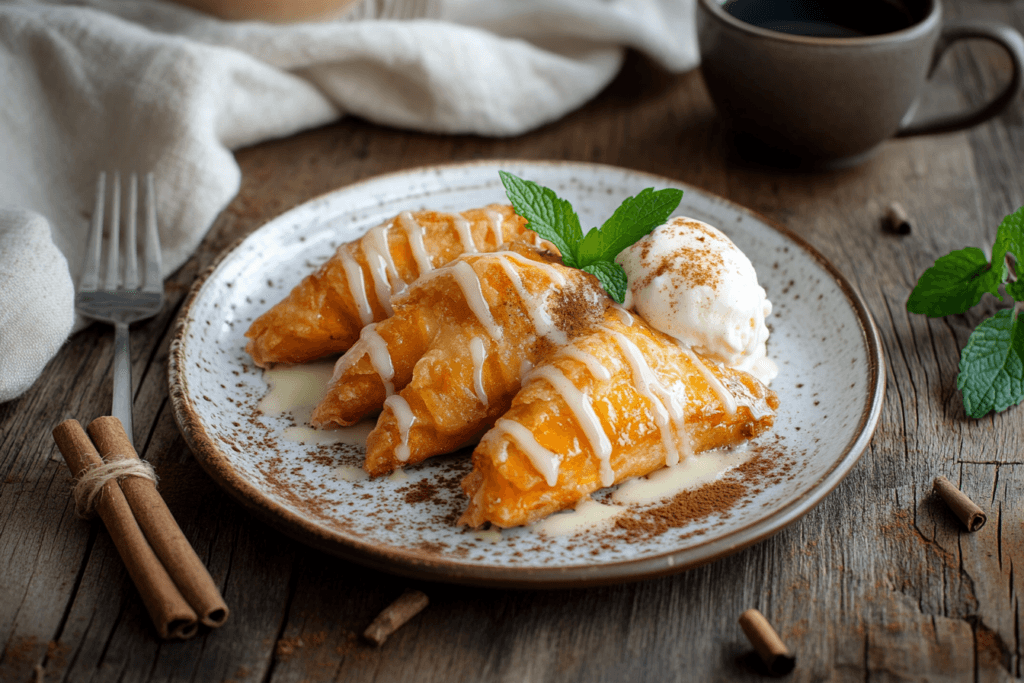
x,y
186,569
896,219
395,615
779,659
168,609
969,513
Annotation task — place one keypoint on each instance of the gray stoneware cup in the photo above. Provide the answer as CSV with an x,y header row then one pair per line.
x,y
831,102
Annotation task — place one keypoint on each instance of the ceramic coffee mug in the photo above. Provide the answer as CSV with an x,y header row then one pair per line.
x,y
828,85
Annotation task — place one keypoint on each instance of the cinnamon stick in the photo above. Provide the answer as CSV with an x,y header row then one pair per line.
x,y
395,615
178,557
896,219
969,513
171,614
779,659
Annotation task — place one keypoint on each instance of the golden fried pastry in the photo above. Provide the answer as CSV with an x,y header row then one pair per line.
x,y
455,351
326,311
619,402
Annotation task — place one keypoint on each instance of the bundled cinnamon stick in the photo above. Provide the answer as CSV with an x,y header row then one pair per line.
x,y
157,522
171,614
161,561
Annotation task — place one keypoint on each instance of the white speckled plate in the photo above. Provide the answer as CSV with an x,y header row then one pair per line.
x,y
830,385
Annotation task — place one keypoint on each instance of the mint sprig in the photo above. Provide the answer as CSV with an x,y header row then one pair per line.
x,y
954,284
555,220
992,365
991,374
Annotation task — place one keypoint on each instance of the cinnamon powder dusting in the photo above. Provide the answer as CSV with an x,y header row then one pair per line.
x,y
719,498
579,309
421,491
695,267
685,507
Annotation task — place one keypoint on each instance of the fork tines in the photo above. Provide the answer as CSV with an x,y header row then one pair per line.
x,y
118,275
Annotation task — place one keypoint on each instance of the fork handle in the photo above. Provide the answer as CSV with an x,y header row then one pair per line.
x,y
122,408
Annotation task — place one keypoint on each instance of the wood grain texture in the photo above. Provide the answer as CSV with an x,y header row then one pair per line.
x,y
878,583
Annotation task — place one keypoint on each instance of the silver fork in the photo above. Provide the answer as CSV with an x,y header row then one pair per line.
x,y
122,297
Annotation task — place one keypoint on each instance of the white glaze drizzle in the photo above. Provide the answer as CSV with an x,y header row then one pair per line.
x,y
490,436
296,390
347,360
379,355
404,418
465,231
588,515
415,233
497,223
665,405
543,324
583,410
467,279
623,315
689,474
724,395
356,285
543,460
378,271
598,370
479,354
378,239
551,270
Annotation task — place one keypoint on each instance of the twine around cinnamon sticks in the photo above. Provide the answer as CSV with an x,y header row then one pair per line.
x,y
175,586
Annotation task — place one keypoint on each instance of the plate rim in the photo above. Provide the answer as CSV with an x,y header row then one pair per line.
x,y
412,565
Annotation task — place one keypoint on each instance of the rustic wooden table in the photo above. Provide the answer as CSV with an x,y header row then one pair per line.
x,y
879,582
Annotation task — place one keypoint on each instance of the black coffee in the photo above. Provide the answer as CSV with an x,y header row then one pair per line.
x,y
826,18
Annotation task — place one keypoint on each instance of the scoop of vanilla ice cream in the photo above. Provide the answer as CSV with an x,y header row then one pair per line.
x,y
690,281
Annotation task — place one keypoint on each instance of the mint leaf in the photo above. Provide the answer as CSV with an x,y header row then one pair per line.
x,y
1015,290
1009,239
635,218
992,365
612,278
547,215
592,247
554,220
954,284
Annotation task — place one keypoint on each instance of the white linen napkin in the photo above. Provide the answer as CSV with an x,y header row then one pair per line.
x,y
139,86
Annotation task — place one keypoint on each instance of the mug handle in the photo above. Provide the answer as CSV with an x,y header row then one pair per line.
x,y
1006,37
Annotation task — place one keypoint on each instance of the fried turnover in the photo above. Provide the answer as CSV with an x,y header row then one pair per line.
x,y
455,351
573,392
620,402
325,312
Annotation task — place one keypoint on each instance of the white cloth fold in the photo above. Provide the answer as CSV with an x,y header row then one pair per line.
x,y
36,300
154,86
